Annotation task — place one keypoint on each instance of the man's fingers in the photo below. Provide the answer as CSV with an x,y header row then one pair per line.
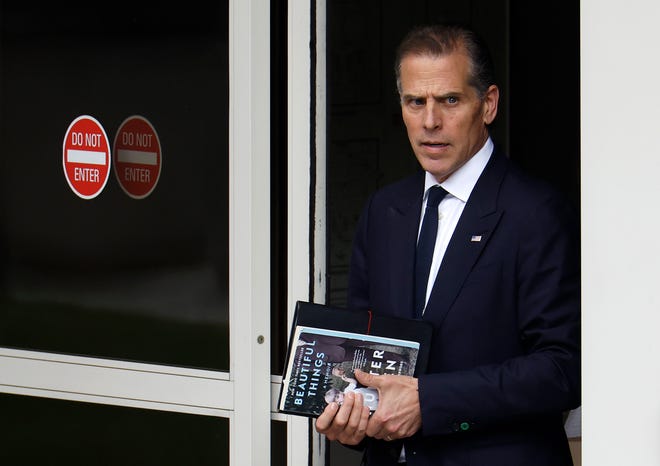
x,y
356,414
353,432
364,422
346,423
324,421
398,414
344,413
366,379
336,425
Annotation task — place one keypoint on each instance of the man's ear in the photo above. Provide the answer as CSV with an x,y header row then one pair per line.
x,y
490,102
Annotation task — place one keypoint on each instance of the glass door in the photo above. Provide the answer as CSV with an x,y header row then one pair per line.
x,y
133,232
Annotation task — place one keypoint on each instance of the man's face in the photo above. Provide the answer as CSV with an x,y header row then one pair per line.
x,y
445,118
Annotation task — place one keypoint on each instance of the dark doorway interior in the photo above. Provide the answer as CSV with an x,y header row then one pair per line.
x,y
536,54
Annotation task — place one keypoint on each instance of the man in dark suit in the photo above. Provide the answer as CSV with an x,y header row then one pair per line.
x,y
503,286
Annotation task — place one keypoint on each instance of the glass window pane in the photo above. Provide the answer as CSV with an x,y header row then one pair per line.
x,y
46,431
278,183
129,273
278,443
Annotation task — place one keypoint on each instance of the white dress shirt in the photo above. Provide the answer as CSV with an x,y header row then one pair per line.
x,y
459,186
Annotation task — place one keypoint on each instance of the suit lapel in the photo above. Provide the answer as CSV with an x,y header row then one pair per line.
x,y
402,225
475,227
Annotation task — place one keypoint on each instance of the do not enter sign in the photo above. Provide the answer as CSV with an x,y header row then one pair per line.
x,y
137,157
86,157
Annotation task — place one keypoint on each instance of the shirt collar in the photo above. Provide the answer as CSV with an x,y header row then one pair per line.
x,y
462,181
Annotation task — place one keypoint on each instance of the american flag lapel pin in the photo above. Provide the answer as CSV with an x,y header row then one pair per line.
x,y
475,238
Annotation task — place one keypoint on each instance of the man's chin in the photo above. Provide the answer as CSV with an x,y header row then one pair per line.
x,y
436,168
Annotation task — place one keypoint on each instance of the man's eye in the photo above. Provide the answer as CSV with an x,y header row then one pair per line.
x,y
452,100
417,102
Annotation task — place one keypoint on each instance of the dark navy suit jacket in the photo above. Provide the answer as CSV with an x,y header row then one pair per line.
x,y
505,307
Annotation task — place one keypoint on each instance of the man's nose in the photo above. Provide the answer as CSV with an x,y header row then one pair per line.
x,y
432,117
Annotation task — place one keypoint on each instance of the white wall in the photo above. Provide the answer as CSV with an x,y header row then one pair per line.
x,y
620,231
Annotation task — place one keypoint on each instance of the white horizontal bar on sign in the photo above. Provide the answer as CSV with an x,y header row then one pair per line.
x,y
89,157
137,156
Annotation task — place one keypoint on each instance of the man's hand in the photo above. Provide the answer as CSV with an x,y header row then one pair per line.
x,y
346,423
398,414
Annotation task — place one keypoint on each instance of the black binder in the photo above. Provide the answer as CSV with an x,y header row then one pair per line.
x,y
359,323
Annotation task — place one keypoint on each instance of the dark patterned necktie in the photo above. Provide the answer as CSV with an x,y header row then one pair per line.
x,y
425,247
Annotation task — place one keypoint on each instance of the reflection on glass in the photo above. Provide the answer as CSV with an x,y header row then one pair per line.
x,y
40,431
115,276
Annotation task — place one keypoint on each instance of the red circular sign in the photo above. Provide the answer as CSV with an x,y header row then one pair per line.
x,y
137,156
86,157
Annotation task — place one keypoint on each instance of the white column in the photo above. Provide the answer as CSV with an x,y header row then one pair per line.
x,y
249,197
620,226
302,152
